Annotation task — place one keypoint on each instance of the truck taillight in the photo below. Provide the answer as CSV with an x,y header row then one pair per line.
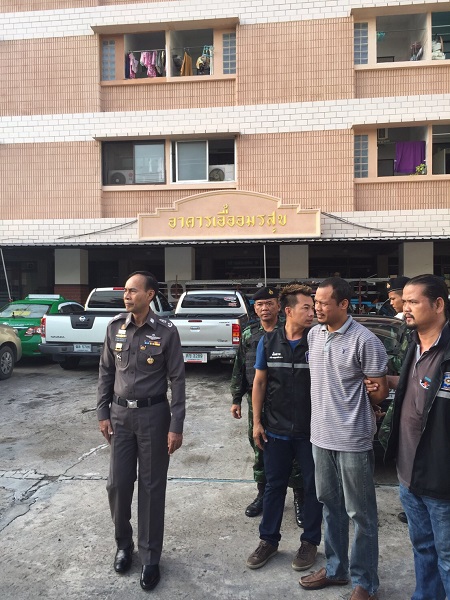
x,y
43,327
236,333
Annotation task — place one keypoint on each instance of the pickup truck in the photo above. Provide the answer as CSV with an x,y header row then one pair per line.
x,y
210,324
69,337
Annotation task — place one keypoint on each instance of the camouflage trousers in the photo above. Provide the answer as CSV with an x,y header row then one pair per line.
x,y
295,480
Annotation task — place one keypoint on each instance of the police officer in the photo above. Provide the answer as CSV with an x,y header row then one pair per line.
x,y
140,353
267,308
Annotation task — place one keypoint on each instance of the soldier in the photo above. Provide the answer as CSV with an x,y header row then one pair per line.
x,y
140,353
267,308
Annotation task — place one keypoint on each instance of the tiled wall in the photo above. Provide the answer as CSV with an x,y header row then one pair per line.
x,y
408,81
49,76
414,192
50,181
301,61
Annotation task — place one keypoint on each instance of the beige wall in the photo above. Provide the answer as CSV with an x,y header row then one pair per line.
x,y
50,80
413,192
27,5
406,81
50,181
295,62
165,96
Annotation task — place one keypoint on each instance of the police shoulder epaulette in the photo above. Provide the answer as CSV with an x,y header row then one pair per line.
x,y
164,322
120,316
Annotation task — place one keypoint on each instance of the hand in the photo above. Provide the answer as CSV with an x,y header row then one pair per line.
x,y
174,441
371,386
258,434
106,429
379,414
236,411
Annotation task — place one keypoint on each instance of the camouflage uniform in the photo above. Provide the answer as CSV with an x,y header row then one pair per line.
x,y
241,384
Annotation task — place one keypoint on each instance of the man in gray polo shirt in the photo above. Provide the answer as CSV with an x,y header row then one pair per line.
x,y
342,353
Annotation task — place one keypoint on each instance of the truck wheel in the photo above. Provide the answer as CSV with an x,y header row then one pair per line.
x,y
70,363
6,362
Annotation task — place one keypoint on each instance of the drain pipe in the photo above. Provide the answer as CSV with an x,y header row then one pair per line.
x,y
6,276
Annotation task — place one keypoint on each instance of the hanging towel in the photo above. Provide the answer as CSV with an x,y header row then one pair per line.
x,y
408,156
134,64
186,67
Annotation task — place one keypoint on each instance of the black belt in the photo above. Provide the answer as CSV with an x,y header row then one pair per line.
x,y
141,403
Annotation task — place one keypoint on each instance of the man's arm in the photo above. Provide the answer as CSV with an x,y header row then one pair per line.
x,y
176,374
105,389
238,385
258,396
377,389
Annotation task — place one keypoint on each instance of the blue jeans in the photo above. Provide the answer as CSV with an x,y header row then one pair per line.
x,y
278,457
344,483
429,530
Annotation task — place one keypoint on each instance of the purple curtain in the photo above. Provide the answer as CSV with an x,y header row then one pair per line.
x,y
409,155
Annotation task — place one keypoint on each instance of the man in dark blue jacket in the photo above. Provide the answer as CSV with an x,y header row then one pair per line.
x,y
419,439
282,387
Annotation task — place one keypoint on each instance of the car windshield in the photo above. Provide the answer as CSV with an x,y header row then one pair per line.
x,y
28,311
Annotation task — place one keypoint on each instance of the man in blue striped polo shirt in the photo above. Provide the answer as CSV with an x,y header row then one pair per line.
x,y
342,353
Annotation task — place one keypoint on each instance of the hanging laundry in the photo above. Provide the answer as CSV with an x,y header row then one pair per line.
x,y
160,63
134,65
186,67
148,60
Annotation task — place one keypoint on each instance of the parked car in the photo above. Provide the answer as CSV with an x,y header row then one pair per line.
x,y
10,350
25,316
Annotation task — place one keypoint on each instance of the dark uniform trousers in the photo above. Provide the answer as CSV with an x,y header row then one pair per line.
x,y
140,434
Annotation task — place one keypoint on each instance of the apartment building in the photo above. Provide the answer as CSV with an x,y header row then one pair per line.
x,y
222,141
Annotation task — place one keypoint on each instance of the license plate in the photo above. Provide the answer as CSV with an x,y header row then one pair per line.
x,y
82,348
195,357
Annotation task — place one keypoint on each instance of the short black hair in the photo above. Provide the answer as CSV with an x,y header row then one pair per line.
x,y
342,290
151,282
288,295
434,287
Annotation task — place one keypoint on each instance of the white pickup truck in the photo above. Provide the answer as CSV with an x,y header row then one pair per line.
x,y
74,336
210,323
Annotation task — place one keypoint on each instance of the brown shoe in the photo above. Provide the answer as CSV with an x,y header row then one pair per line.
x,y
305,557
359,593
319,580
261,555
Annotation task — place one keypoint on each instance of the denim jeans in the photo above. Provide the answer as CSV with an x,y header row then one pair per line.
x,y
278,457
344,483
429,530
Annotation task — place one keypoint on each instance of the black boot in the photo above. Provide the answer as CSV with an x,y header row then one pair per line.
x,y
299,505
255,508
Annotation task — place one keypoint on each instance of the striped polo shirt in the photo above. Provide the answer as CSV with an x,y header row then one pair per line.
x,y
342,417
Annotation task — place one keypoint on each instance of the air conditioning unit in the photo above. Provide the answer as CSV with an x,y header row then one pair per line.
x,y
382,135
221,173
120,177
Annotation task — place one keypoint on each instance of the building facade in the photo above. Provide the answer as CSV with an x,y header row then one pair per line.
x,y
222,141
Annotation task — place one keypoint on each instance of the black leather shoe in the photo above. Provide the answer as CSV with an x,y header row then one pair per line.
x,y
256,507
150,577
402,517
123,558
299,506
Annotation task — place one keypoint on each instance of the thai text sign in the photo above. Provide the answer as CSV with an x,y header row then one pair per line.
x,y
229,215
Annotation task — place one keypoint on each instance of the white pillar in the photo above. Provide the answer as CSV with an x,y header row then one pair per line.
x,y
71,266
416,258
179,263
294,261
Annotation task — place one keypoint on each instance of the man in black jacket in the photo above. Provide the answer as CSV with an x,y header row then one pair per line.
x,y
282,387
420,434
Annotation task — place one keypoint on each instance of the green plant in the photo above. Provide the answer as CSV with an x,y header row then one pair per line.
x,y
421,169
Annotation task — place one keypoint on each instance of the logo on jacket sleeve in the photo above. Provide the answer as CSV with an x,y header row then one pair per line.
x,y
445,385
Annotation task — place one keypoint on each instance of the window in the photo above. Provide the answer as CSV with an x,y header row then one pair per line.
x,y
108,60
401,150
145,55
204,160
361,156
361,43
229,53
143,162
126,163
441,149
401,38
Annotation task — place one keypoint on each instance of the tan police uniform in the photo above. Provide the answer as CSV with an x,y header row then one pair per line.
x,y
135,366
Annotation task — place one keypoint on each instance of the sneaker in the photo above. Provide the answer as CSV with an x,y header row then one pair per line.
x,y
305,557
261,555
